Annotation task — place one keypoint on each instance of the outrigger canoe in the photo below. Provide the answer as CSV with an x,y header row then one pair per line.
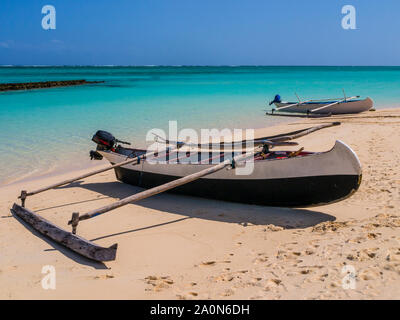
x,y
323,107
279,178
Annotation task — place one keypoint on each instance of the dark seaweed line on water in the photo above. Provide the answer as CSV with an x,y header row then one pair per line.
x,y
43,84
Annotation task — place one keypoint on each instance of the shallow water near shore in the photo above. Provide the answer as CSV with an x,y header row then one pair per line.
x,y
50,129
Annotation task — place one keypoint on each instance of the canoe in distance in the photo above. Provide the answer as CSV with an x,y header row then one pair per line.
x,y
351,106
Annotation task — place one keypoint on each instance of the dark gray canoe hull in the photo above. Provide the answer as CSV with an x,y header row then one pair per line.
x,y
308,180
286,192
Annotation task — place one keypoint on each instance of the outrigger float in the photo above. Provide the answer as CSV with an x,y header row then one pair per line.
x,y
279,178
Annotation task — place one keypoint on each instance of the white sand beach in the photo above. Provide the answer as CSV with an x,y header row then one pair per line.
x,y
177,247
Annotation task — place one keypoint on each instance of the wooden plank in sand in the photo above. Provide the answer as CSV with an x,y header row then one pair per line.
x,y
76,243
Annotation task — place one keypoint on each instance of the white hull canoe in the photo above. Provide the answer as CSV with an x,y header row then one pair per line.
x,y
352,106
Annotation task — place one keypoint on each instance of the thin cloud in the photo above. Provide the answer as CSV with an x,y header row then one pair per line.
x,y
4,44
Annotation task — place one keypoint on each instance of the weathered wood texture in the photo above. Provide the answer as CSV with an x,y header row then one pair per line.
x,y
43,84
80,245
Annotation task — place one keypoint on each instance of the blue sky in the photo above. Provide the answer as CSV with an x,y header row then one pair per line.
x,y
199,32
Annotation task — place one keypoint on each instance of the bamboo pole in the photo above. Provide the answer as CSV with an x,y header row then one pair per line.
x,y
159,189
332,104
243,143
292,105
134,161
273,141
304,132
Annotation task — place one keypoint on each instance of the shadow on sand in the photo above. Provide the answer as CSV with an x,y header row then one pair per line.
x,y
193,207
189,207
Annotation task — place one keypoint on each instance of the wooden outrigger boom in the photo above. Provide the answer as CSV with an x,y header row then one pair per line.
x,y
298,115
89,249
95,252
136,160
156,190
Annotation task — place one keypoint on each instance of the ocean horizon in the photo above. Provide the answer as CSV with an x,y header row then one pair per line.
x,y
46,130
189,65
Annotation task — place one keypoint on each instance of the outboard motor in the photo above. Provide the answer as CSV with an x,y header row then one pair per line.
x,y
105,141
276,99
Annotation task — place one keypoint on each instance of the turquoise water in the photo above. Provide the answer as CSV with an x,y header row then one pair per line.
x,y
50,129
